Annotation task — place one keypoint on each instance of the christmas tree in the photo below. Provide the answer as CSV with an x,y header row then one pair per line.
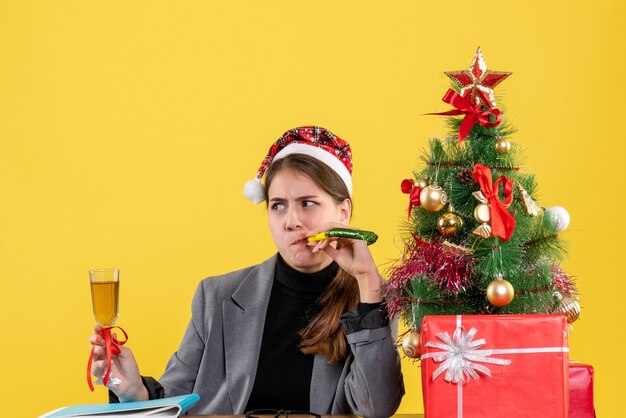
x,y
478,240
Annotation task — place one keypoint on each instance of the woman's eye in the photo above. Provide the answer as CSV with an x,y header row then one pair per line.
x,y
278,206
307,203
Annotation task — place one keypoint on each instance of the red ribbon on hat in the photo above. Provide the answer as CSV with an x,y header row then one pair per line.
x,y
111,344
472,114
409,187
502,222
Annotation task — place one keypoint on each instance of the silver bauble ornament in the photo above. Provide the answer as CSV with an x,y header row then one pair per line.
x,y
559,216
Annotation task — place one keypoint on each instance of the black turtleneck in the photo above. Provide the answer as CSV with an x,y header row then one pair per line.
x,y
283,376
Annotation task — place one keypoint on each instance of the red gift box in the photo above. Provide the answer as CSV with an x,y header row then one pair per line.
x,y
581,391
513,366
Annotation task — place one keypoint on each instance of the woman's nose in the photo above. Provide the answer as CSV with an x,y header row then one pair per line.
x,y
293,219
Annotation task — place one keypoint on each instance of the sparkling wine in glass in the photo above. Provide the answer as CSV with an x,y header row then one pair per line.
x,y
105,287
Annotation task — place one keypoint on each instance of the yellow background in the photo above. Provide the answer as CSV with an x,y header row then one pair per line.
x,y
127,130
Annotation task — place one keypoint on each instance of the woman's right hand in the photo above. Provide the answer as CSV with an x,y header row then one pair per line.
x,y
123,366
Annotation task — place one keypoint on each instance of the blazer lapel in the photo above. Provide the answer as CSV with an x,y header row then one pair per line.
x,y
244,316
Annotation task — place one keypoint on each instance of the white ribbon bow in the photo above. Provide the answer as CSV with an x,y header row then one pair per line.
x,y
460,356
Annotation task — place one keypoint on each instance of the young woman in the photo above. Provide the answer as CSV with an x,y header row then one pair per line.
x,y
304,330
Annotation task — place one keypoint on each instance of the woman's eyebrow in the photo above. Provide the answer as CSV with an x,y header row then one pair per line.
x,y
298,199
307,197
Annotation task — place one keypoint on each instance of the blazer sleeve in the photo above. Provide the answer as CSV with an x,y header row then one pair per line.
x,y
374,386
182,368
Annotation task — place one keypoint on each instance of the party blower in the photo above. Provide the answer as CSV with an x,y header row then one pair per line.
x,y
368,236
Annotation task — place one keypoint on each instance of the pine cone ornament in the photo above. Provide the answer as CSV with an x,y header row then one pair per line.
x,y
466,176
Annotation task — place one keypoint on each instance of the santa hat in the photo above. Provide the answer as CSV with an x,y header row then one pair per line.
x,y
309,140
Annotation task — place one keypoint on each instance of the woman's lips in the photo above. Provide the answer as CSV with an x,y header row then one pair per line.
x,y
301,241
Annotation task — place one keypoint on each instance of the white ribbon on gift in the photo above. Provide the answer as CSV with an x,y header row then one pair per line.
x,y
460,357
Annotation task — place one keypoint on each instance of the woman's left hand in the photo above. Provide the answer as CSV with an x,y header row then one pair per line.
x,y
353,256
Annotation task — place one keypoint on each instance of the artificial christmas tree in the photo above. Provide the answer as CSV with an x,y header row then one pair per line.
x,y
479,243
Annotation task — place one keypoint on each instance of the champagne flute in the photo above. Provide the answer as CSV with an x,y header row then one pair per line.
x,y
105,285
105,288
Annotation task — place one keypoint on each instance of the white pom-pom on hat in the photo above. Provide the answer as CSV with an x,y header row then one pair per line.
x,y
254,191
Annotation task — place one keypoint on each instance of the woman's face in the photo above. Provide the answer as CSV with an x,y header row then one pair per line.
x,y
297,206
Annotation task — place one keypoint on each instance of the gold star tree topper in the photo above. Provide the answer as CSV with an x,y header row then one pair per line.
x,y
477,83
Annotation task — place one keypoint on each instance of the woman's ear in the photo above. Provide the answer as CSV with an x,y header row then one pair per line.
x,y
345,211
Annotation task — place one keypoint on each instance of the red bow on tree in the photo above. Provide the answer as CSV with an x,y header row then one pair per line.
x,y
472,114
502,222
409,187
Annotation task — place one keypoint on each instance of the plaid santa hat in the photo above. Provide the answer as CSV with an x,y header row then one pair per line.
x,y
314,141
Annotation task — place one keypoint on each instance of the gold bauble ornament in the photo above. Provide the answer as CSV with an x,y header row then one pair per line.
x,y
500,292
503,146
569,307
421,183
433,198
411,344
449,224
482,213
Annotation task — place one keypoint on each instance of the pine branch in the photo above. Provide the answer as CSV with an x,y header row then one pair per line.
x,y
544,242
428,300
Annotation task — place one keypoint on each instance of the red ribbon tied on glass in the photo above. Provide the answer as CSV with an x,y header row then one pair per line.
x,y
472,113
502,222
409,187
111,345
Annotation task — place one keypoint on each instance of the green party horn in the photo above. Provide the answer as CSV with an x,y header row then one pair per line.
x,y
367,236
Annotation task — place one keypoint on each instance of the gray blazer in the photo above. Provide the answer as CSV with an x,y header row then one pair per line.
x,y
218,355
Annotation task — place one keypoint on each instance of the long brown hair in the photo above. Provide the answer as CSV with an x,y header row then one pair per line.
x,y
324,334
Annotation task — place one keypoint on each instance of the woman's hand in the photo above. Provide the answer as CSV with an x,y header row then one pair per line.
x,y
123,366
353,256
